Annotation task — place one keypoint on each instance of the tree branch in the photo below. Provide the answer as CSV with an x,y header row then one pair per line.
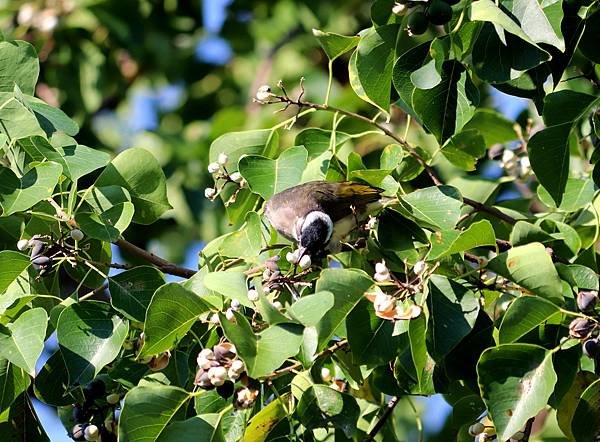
x,y
162,264
384,417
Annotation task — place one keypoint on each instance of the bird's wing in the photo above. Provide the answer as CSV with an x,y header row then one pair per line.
x,y
338,199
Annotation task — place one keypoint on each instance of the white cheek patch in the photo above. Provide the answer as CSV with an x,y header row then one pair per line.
x,y
312,216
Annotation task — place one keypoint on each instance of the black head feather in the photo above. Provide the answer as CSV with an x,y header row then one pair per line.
x,y
315,235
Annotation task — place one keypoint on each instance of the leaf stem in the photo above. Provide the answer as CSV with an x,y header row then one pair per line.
x,y
384,417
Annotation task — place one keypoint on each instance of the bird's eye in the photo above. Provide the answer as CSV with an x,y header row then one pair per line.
x,y
315,235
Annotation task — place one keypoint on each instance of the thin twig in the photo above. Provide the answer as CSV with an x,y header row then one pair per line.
x,y
162,264
384,417
527,430
328,351
491,210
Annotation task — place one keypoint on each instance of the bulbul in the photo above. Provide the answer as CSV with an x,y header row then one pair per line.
x,y
319,214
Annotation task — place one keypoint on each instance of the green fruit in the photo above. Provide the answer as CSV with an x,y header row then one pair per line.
x,y
439,12
417,23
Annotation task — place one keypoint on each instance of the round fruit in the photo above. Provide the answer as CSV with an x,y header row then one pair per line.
x,y
417,23
439,12
225,390
591,348
77,234
587,300
78,432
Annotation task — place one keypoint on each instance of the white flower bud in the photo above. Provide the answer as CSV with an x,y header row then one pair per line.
x,y
508,156
214,319
372,223
210,193
384,303
399,9
235,305
419,267
263,93
243,183
204,358
524,167
236,177
222,159
252,295
237,365
213,167
382,277
232,374
229,314
26,13
217,375
292,257
278,305
23,244
476,428
91,433
305,262
380,267
325,374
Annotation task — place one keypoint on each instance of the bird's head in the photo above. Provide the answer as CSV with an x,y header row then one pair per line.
x,y
315,232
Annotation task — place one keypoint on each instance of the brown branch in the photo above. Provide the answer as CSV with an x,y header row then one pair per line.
x,y
490,210
328,351
384,417
162,264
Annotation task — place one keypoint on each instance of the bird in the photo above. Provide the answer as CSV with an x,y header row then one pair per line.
x,y
319,214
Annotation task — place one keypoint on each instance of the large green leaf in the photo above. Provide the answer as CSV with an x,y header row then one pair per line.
x,y
577,194
309,310
535,23
448,242
231,284
147,410
371,338
139,172
108,225
19,194
19,66
14,381
371,65
516,381
335,45
446,108
172,312
76,160
90,336
18,121
245,242
266,351
525,314
132,290
438,206
453,310
268,177
348,287
51,380
201,427
266,419
421,360
51,118
321,406
493,126
22,341
12,264
464,149
586,420
531,267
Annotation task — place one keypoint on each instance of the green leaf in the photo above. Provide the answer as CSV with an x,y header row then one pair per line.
x,y
422,361
321,406
138,171
19,66
245,242
516,381
437,206
335,45
348,287
488,11
76,160
309,310
525,314
478,234
109,225
266,351
147,410
427,76
268,177
568,404
132,290
464,149
586,420
493,126
197,428
453,310
549,148
18,121
231,284
12,264
531,267
90,336
406,64
22,341
103,198
51,380
261,424
371,338
14,381
535,23
498,57
577,194
524,233
172,312
51,118
588,44
19,194
371,65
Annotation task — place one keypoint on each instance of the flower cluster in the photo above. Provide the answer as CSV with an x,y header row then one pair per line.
x,y
220,173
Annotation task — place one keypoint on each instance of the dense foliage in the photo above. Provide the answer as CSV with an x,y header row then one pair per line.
x,y
457,287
